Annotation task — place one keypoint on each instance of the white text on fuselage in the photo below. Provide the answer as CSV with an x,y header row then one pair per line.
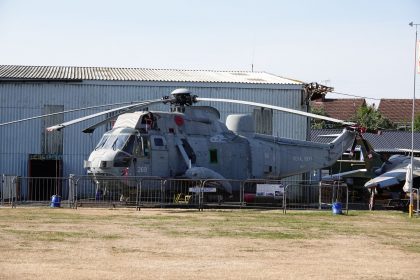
x,y
302,158
142,169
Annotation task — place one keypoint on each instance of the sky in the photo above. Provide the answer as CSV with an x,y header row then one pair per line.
x,y
359,47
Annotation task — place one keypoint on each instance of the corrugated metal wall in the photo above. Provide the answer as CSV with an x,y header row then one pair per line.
x,y
22,100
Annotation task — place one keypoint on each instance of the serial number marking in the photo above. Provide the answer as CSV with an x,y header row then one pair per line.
x,y
142,169
302,158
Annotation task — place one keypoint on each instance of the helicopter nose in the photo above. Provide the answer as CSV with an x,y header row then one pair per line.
x,y
105,164
100,159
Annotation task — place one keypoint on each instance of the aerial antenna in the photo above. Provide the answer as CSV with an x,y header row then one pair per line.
x,y
253,53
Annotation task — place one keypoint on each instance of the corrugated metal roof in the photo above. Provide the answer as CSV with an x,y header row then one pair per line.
x,y
8,72
387,141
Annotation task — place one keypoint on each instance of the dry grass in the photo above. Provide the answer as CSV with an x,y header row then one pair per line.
x,y
43,243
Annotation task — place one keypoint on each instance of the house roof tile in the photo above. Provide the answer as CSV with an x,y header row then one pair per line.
x,y
343,109
398,110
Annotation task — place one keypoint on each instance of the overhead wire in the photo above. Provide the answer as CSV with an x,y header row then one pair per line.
x,y
353,95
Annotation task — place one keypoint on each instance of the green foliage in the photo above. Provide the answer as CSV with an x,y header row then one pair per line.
x,y
371,118
417,123
321,124
316,123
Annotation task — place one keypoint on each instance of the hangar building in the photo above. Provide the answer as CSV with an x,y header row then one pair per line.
x,y
28,150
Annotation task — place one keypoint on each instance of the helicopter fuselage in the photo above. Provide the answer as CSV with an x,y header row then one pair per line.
x,y
166,144
193,143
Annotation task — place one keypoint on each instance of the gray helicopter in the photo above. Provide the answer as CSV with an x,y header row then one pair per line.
x,y
191,142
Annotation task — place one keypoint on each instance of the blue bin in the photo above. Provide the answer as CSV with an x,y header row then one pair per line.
x,y
336,208
55,201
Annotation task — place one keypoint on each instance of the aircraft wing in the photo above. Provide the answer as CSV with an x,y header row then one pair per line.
x,y
390,178
348,174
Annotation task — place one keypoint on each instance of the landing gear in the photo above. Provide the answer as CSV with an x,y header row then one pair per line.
x,y
372,199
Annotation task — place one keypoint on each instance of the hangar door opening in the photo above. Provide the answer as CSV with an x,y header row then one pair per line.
x,y
43,173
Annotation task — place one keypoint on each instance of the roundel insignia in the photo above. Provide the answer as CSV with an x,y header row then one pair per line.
x,y
179,120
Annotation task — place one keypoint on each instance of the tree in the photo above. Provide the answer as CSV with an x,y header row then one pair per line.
x,y
417,123
370,118
321,124
317,123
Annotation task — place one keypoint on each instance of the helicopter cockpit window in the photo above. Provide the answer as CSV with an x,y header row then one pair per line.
x,y
118,140
102,141
137,150
108,141
128,147
141,147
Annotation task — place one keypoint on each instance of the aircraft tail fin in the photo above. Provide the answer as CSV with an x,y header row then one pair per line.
x,y
373,160
341,144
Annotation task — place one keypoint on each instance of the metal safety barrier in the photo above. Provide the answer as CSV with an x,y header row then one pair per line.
x,y
137,192
16,190
263,193
417,208
132,192
315,196
163,192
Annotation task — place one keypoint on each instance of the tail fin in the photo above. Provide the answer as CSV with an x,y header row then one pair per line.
x,y
373,160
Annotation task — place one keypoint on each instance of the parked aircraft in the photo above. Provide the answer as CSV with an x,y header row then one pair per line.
x,y
389,175
191,142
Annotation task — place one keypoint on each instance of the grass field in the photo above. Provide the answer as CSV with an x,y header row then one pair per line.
x,y
45,243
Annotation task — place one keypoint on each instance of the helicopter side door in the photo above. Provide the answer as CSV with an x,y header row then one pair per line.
x,y
159,156
141,152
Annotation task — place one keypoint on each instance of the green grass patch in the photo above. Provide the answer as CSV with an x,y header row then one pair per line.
x,y
32,235
42,235
34,224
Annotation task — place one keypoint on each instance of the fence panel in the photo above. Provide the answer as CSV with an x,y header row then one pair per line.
x,y
416,195
16,190
182,193
302,195
133,191
160,192
263,193
9,190
103,191
311,196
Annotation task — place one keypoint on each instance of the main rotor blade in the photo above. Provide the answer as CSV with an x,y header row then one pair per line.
x,y
65,124
92,128
277,108
64,112
329,135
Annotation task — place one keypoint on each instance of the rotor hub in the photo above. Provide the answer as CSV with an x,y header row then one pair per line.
x,y
180,97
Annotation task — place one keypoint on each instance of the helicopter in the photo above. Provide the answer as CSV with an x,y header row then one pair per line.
x,y
190,141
